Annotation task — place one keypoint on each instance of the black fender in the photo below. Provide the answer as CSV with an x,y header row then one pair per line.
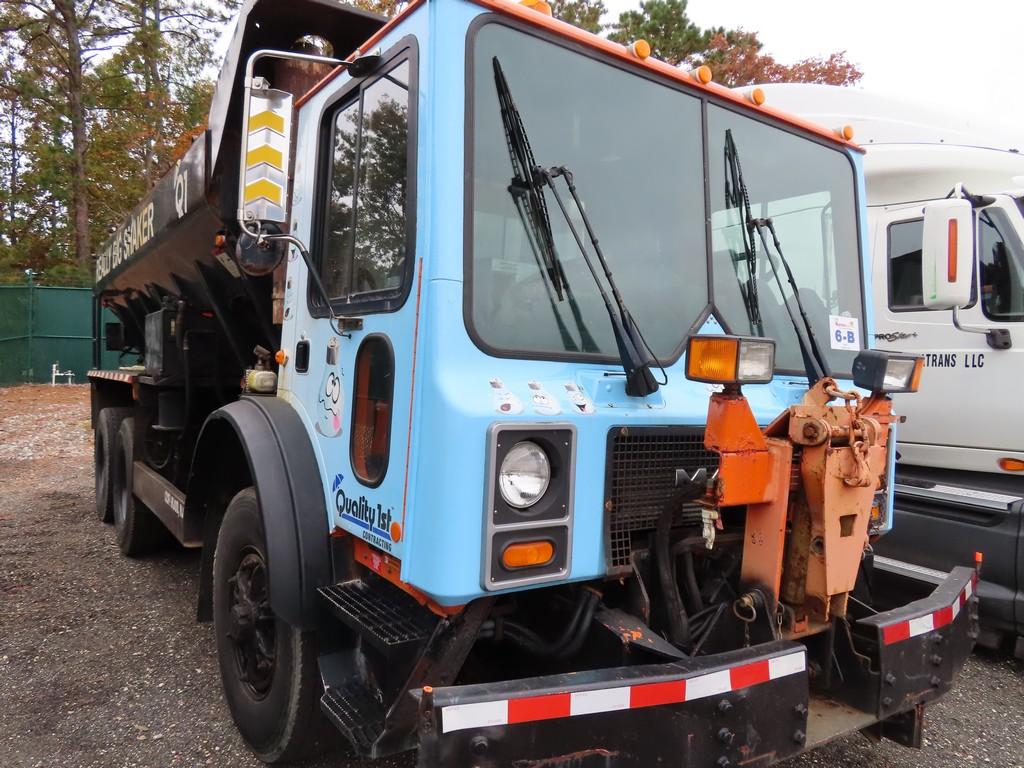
x,y
261,441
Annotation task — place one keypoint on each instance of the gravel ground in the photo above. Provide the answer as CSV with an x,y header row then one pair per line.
x,y
102,664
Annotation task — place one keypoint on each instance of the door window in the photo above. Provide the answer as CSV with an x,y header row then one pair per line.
x,y
366,236
1000,267
905,290
372,406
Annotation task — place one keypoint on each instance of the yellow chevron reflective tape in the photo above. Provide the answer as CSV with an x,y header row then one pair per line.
x,y
265,154
263,188
266,119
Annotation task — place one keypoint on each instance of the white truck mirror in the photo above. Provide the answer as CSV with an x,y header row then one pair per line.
x,y
947,253
265,159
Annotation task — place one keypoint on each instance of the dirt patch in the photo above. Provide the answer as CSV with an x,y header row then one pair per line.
x,y
103,664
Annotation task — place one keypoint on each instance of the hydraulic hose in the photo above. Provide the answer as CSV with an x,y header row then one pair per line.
x,y
690,582
675,613
566,644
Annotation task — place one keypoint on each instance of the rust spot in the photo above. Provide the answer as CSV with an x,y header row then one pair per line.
x,y
570,760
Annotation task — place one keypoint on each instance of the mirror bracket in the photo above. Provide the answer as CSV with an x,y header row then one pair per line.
x,y
997,338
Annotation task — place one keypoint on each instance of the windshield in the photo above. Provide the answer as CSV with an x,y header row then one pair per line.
x,y
807,190
635,151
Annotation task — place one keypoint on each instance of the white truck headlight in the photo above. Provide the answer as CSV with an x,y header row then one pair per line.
x,y
524,475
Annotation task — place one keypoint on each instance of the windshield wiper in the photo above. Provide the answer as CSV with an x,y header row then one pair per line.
x,y
634,352
736,197
533,212
815,363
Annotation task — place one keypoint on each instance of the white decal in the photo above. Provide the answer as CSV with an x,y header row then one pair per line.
x,y
180,190
504,401
844,332
543,402
328,421
578,398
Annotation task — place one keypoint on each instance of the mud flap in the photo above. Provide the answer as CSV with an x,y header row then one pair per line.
x,y
919,649
745,707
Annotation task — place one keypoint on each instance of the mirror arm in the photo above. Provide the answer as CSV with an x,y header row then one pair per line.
x,y
997,338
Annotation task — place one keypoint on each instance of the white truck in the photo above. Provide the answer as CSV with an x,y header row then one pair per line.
x,y
960,471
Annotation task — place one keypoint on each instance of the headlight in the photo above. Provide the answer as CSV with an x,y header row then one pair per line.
x,y
884,372
730,359
524,475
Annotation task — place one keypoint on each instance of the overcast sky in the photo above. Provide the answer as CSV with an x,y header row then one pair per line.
x,y
961,55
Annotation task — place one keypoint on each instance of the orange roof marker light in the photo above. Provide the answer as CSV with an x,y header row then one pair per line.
x,y
756,96
540,6
845,131
640,48
281,357
702,74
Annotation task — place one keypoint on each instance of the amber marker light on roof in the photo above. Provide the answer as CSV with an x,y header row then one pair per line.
x,y
846,132
281,357
537,5
702,74
640,48
757,96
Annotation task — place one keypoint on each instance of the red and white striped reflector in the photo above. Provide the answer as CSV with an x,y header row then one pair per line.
x,y
552,706
904,630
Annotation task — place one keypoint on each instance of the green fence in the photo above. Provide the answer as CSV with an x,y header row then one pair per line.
x,y
42,325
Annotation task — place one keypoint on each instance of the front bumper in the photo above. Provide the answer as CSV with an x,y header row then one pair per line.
x,y
745,707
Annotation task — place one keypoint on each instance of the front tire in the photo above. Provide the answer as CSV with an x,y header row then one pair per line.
x,y
268,668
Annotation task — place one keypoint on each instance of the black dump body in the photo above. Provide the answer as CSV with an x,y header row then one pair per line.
x,y
165,247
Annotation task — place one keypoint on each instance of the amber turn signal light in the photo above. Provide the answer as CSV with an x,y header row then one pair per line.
x,y
730,359
524,554
1011,465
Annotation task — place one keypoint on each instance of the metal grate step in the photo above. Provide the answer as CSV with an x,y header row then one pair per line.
x,y
385,616
355,711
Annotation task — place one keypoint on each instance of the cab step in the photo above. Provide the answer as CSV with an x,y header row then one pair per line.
x,y
386,617
355,711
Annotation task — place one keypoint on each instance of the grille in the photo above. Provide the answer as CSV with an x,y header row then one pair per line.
x,y
640,480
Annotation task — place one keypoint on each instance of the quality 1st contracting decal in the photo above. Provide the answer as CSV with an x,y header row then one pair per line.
x,y
376,522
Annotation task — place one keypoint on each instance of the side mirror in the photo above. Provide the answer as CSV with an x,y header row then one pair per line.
x,y
265,158
947,253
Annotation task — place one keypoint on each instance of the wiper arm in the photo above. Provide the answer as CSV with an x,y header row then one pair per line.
x,y
736,197
533,212
814,360
636,356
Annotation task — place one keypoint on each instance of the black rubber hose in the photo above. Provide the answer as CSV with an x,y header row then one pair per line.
x,y
690,582
675,613
581,631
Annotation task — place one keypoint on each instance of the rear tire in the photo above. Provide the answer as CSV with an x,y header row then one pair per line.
x,y
104,449
138,530
268,668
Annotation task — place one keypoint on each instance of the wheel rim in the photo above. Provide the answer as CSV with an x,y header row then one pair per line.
x,y
251,625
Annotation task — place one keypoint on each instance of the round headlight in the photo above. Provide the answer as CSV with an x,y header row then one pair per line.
x,y
524,475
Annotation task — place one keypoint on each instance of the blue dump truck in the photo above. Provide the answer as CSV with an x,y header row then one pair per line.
x,y
514,385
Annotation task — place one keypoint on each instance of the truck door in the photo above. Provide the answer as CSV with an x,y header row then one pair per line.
x,y
958,410
353,379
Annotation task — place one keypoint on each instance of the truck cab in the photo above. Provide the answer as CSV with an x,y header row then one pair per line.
x,y
558,438
960,471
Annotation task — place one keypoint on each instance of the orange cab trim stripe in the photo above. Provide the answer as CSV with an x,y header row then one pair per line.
x,y
372,41
578,35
